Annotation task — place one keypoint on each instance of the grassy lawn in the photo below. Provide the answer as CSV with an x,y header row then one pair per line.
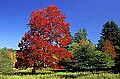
x,y
26,74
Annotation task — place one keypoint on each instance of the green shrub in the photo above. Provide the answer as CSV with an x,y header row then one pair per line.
x,y
6,63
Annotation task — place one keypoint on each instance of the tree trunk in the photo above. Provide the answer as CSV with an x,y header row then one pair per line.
x,y
33,71
34,68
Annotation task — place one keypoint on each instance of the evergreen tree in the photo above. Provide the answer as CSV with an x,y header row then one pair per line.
x,y
111,32
80,35
83,54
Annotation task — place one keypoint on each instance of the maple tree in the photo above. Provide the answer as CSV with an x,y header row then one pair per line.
x,y
109,48
44,44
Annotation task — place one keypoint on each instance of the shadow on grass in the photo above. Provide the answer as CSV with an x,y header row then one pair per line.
x,y
28,73
54,73
72,76
66,76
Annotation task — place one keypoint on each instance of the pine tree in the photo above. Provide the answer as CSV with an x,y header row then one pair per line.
x,y
111,32
80,35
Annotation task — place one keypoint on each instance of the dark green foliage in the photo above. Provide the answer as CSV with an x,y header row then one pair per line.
x,y
101,60
111,32
87,57
93,60
83,55
72,38
117,60
6,63
101,43
80,35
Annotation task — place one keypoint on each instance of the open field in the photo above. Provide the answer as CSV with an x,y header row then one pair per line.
x,y
60,75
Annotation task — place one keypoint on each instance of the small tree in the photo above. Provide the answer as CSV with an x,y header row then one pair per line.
x,y
84,53
12,53
44,44
6,63
109,48
101,60
80,35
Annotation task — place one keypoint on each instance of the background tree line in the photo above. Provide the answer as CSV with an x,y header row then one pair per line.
x,y
106,54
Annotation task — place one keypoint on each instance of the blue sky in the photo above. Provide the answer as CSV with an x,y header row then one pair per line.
x,y
90,14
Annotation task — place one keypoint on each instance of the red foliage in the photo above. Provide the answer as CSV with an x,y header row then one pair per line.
x,y
109,48
44,44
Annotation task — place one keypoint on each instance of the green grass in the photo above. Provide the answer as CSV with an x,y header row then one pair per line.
x,y
26,74
101,76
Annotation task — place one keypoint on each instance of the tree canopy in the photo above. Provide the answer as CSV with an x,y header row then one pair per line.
x,y
44,44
